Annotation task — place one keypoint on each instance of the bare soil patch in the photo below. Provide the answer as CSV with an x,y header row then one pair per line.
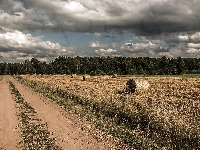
x,y
9,131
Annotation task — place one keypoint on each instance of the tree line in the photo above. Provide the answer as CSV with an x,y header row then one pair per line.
x,y
105,65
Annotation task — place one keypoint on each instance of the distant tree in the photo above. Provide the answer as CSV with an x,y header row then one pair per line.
x,y
164,65
104,65
180,66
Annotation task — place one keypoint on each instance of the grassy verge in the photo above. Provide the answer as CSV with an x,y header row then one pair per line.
x,y
34,134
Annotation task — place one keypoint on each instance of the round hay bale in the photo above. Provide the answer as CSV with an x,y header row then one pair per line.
x,y
73,75
142,84
130,86
105,77
114,76
85,77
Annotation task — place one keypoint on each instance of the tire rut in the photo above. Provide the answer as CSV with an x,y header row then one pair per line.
x,y
68,136
34,133
9,130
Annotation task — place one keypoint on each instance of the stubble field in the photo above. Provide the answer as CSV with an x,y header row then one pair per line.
x,y
165,115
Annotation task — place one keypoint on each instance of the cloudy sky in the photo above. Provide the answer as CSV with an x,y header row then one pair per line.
x,y
46,29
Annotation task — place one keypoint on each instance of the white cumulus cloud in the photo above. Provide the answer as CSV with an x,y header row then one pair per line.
x,y
130,47
192,50
108,52
16,45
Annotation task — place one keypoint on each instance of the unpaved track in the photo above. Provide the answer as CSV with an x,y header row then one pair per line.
x,y
68,136
9,131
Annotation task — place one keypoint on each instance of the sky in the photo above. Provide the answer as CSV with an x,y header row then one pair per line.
x,y
46,29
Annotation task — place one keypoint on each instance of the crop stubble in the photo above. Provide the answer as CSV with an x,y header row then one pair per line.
x,y
168,112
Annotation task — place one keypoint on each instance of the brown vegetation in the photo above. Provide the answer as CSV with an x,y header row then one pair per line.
x,y
166,111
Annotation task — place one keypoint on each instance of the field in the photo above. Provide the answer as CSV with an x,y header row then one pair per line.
x,y
164,116
31,121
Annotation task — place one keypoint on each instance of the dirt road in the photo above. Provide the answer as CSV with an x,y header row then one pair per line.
x,y
9,131
63,125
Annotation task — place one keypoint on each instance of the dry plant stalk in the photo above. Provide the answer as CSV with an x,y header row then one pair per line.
x,y
170,104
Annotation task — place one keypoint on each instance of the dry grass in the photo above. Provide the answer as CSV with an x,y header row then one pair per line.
x,y
167,112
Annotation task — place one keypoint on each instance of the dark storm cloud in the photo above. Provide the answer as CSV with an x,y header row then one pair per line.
x,y
150,17
173,22
114,9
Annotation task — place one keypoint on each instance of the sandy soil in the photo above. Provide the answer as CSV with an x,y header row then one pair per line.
x,y
9,131
63,124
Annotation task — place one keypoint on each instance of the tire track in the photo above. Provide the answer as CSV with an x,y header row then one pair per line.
x,y
34,133
9,130
67,134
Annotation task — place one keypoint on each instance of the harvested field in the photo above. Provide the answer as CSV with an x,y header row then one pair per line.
x,y
30,121
163,114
